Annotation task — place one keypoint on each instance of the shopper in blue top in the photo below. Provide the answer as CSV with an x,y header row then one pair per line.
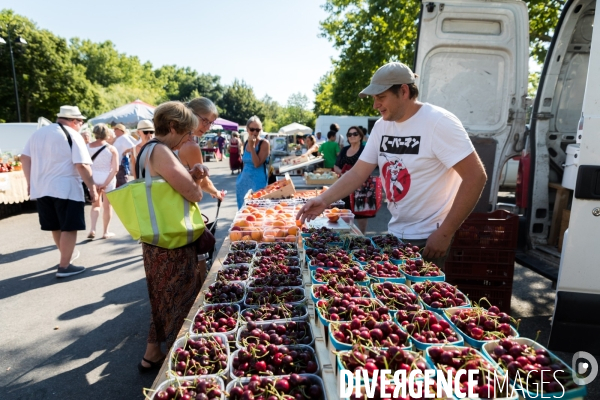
x,y
256,155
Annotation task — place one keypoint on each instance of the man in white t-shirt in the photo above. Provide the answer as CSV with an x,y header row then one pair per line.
x,y
55,160
430,171
320,138
124,145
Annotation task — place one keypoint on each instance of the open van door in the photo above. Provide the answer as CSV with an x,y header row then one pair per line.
x,y
472,59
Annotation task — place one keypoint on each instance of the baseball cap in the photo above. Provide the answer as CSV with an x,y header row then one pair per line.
x,y
394,73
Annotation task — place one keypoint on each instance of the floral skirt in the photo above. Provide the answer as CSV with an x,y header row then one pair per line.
x,y
173,280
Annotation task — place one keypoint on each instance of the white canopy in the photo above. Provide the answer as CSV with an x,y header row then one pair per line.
x,y
128,115
295,129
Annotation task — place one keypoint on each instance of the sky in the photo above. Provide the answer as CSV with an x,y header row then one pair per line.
x,y
273,45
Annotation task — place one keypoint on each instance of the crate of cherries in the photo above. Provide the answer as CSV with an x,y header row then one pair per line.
x,y
274,295
265,261
274,312
258,359
439,295
225,292
328,258
234,273
368,333
277,245
347,276
293,387
262,271
243,245
427,328
238,257
370,253
187,388
200,355
278,250
396,296
386,241
372,359
336,309
418,270
357,242
385,271
334,289
276,280
278,333
403,252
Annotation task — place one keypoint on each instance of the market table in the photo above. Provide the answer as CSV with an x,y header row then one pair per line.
x,y
325,356
209,152
13,187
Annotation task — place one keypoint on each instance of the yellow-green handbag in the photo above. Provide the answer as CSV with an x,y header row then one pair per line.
x,y
155,213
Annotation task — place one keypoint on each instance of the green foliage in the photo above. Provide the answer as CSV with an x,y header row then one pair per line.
x,y
297,110
52,71
240,103
371,33
534,81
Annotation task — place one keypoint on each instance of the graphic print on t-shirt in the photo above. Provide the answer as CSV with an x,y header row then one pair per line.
x,y
400,144
396,178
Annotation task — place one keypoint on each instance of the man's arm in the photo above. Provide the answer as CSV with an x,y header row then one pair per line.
x,y
473,176
85,171
26,164
347,184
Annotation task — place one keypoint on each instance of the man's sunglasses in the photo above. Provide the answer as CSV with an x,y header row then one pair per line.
x,y
255,129
350,134
148,132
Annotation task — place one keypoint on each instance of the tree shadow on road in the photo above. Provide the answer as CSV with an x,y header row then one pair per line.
x,y
46,277
23,254
117,345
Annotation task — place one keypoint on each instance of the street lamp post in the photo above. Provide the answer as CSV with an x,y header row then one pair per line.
x,y
20,40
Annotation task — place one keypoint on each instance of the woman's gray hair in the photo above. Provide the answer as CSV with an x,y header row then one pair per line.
x,y
100,131
254,118
203,106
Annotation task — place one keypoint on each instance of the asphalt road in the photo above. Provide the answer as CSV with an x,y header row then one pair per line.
x,y
83,336
79,337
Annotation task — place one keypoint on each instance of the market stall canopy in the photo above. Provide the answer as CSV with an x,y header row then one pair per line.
x,y
128,115
295,129
227,125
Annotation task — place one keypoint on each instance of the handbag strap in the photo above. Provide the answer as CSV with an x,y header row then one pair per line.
x,y
98,152
67,135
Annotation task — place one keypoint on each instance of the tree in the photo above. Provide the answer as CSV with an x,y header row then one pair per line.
x,y
46,75
324,96
370,33
240,103
272,111
297,110
185,83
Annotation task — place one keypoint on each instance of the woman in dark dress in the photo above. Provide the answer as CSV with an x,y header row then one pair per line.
x,y
235,153
348,156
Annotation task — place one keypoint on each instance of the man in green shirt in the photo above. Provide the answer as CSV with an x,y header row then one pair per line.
x,y
330,150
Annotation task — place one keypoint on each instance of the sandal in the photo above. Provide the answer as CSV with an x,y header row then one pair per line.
x,y
91,235
154,365
108,235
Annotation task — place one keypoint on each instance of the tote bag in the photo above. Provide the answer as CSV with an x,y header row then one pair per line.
x,y
155,213
366,200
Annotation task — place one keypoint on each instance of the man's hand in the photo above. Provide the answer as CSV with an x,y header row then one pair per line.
x,y
312,209
93,193
199,171
437,244
220,195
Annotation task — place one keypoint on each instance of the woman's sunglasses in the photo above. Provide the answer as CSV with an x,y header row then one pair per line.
x,y
255,129
350,134
148,132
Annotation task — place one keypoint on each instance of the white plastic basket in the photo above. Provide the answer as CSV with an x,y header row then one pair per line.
x,y
244,327
183,340
300,346
302,317
314,379
173,381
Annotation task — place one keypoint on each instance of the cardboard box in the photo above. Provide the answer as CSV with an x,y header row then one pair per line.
x,y
279,190
320,181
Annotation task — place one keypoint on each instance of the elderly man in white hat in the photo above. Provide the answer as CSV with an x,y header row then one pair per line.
x,y
431,174
126,148
145,130
55,160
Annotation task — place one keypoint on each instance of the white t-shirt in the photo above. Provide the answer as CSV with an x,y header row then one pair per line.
x,y
53,171
415,159
321,141
123,143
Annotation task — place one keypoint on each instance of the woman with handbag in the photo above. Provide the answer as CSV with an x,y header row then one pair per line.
x,y
105,166
172,275
256,162
348,156
190,153
235,153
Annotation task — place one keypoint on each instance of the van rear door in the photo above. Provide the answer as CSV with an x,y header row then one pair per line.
x,y
472,60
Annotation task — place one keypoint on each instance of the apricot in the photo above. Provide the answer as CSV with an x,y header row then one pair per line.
x,y
269,238
256,235
250,218
335,210
292,230
282,233
290,238
333,217
235,236
278,223
242,223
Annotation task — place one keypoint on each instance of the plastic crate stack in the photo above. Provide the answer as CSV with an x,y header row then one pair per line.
x,y
481,261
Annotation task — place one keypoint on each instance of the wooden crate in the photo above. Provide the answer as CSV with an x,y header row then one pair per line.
x,y
320,181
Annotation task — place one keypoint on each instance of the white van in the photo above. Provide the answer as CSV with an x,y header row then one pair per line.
x,y
472,60
14,135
